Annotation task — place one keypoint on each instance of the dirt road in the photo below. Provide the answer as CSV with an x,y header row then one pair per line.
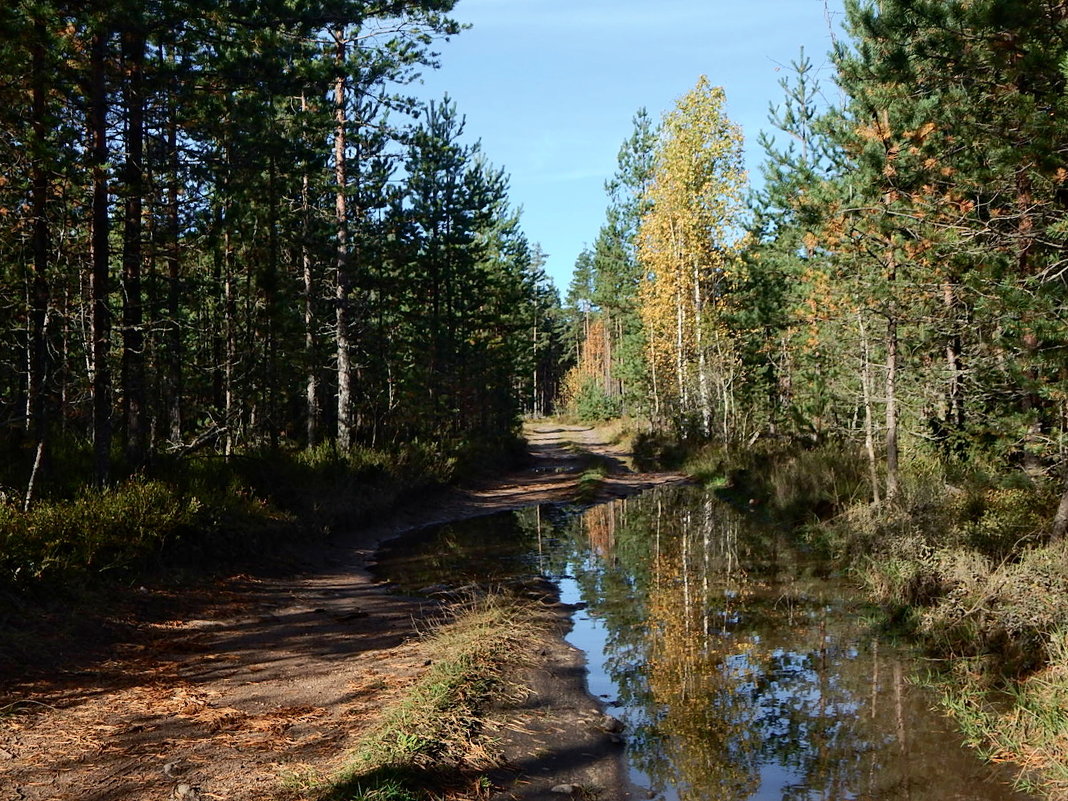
x,y
231,691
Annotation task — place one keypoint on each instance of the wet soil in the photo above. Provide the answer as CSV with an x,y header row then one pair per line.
x,y
243,688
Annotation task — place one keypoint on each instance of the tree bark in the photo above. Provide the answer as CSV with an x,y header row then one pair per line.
x,y
869,425
345,421
39,290
703,392
174,283
230,410
313,410
955,390
133,335
100,317
892,469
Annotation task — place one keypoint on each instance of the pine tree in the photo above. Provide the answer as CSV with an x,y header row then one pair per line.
x,y
949,121
784,361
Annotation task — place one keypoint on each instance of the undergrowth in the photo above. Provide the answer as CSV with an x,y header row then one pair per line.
x,y
968,572
788,483
201,512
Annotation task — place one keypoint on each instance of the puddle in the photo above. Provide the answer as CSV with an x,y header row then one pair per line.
x,y
741,669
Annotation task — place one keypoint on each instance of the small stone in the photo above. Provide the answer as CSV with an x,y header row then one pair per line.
x,y
186,792
565,789
612,725
171,769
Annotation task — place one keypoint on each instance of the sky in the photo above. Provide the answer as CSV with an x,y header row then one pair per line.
x,y
550,87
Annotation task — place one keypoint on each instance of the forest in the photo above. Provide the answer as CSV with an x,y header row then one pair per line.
x,y
870,342
228,231
248,281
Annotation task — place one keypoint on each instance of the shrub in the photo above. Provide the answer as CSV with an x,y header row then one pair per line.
x,y
106,531
1008,614
592,404
998,521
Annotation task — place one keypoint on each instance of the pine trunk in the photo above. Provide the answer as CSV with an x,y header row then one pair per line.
x,y
133,337
175,376
230,411
39,291
892,470
313,411
100,316
345,423
869,414
955,390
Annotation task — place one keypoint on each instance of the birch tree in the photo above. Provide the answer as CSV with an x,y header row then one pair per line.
x,y
688,247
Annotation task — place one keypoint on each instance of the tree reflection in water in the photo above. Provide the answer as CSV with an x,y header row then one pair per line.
x,y
744,673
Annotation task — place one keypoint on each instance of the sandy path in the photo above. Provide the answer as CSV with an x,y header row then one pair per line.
x,y
228,692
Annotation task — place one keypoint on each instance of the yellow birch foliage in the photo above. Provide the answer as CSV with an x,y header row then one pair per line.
x,y
688,245
593,364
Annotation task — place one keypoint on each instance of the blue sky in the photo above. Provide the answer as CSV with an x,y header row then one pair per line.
x,y
550,88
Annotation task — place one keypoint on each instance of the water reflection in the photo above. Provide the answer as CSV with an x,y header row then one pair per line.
x,y
741,670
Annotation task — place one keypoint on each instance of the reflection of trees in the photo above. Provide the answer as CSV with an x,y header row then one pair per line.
x,y
705,746
611,567
734,665
737,667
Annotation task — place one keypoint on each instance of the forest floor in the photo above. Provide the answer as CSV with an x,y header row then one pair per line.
x,y
245,687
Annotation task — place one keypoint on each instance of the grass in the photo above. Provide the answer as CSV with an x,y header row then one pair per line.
x,y
430,743
1028,726
967,573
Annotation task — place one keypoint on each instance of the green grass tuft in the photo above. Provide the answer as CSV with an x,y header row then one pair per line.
x,y
431,740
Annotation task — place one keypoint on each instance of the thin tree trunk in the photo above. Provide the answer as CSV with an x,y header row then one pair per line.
x,y
535,407
39,291
229,339
869,424
955,391
606,366
892,470
679,358
652,375
345,422
703,393
218,339
133,336
1060,520
174,283
270,292
38,461
313,409
100,319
